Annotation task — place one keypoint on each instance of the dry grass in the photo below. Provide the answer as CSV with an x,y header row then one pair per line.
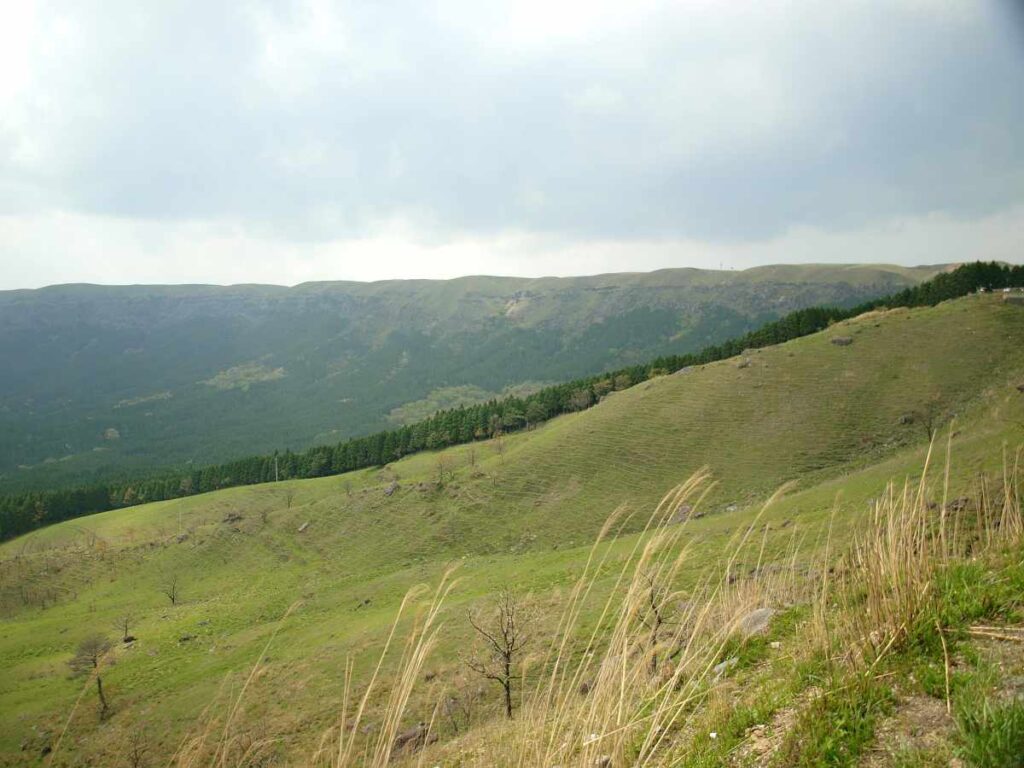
x,y
628,690
886,592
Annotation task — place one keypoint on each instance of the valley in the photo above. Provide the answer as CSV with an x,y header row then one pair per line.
x,y
311,573
103,383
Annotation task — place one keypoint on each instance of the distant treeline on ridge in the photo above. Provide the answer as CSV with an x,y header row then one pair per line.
x,y
24,512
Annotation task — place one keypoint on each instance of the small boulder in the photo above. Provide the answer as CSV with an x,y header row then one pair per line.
x,y
842,341
756,622
414,738
722,667
682,513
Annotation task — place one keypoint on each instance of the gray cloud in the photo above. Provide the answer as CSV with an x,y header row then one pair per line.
x,y
313,122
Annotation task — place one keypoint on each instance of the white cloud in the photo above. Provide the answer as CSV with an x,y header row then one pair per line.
x,y
305,129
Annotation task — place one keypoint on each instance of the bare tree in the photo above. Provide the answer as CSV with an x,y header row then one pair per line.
x,y
655,613
929,415
123,624
504,637
459,705
289,497
444,471
169,587
135,748
88,660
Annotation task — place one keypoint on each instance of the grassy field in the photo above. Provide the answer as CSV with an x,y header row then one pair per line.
x,y
840,419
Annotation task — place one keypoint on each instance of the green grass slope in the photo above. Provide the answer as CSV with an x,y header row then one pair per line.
x,y
840,419
102,380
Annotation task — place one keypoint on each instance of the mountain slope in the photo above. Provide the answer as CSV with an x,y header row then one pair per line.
x,y
841,419
101,380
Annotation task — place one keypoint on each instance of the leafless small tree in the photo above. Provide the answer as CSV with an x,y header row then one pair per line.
x,y
88,660
123,625
289,497
135,748
459,705
169,587
655,613
503,639
444,472
929,415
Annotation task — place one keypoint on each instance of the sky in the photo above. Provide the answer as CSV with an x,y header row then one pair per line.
x,y
280,142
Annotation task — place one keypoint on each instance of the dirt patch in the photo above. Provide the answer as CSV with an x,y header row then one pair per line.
x,y
1007,656
919,723
761,742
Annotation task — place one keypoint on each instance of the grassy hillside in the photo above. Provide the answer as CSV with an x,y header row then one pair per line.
x,y
102,380
840,419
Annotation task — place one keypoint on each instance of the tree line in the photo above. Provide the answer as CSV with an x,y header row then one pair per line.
x,y
20,513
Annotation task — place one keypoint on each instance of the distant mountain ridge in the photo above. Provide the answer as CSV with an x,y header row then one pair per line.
x,y
100,381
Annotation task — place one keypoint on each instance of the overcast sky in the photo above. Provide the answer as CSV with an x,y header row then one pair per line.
x,y
288,141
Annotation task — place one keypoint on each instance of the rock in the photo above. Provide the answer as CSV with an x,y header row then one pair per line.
x,y
756,622
682,513
390,490
232,517
842,341
744,363
414,738
181,538
303,527
722,667
906,418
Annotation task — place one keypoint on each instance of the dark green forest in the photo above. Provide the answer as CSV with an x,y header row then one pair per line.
x,y
23,512
107,382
